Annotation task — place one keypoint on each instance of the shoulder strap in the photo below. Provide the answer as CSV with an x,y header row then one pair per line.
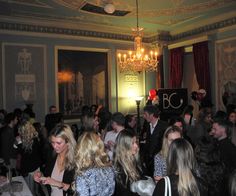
x,y
167,186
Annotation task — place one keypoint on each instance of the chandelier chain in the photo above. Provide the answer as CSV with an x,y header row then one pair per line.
x,y
137,15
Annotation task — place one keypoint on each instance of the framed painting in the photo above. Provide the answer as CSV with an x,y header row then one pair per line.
x,y
82,79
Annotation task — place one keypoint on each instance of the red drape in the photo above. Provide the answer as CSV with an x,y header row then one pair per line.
x,y
176,67
160,73
201,64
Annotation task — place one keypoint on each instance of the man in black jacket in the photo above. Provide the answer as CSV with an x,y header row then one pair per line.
x,y
227,149
220,131
154,134
7,140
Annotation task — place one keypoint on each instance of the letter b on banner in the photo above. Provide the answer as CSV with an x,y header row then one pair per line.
x,y
173,100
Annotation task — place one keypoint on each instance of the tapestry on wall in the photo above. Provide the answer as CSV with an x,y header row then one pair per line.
x,y
226,73
24,77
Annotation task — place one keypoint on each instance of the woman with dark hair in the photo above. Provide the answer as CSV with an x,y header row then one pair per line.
x,y
104,117
210,166
59,165
179,122
130,122
180,170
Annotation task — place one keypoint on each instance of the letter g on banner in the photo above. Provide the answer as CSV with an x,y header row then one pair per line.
x,y
171,100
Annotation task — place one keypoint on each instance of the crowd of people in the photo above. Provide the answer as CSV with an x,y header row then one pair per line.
x,y
106,155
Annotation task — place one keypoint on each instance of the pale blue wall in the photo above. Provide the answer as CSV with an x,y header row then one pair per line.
x,y
50,43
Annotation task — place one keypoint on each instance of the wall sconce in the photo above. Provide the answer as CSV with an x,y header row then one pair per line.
x,y
64,76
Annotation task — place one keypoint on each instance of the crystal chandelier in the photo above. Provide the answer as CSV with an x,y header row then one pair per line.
x,y
138,60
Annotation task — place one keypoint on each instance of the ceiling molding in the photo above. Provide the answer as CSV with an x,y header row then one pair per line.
x,y
188,42
34,3
205,29
165,37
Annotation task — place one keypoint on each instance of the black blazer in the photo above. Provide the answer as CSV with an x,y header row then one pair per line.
x,y
154,140
153,145
68,176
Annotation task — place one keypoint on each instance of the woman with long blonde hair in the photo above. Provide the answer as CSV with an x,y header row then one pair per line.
x,y
171,133
94,173
29,149
59,169
180,170
126,162
27,134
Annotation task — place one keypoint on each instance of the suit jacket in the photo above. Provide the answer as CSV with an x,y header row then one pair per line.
x,y
154,144
154,140
228,154
7,140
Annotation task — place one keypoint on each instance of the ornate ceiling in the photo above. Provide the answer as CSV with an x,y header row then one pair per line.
x,y
171,16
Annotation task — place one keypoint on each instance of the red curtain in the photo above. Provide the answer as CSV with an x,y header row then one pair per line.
x,y
176,67
201,64
160,73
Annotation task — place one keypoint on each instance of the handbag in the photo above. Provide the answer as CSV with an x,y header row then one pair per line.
x,y
167,186
144,187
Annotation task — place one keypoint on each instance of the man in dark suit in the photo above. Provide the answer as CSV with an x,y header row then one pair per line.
x,y
154,134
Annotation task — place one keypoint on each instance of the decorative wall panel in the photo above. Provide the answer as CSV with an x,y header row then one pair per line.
x,y
226,72
24,77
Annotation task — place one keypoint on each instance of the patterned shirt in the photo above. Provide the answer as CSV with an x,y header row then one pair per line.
x,y
96,181
159,165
